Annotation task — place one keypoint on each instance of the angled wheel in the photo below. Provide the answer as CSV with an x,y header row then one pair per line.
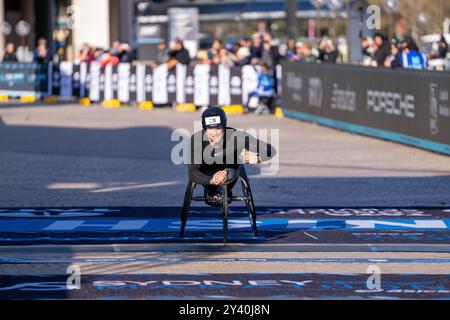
x,y
225,212
249,201
186,206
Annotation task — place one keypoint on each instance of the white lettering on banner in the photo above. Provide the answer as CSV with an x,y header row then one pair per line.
x,y
315,92
141,82
391,103
108,82
160,84
201,85
123,83
344,100
295,83
224,86
94,81
181,78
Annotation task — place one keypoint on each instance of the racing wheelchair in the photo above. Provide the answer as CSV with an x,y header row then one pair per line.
x,y
223,202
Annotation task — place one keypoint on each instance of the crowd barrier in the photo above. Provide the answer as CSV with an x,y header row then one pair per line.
x,y
406,106
198,85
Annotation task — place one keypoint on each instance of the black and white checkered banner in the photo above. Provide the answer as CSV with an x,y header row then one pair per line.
x,y
200,85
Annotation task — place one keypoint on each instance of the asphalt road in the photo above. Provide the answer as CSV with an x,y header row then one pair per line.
x,y
69,155
96,190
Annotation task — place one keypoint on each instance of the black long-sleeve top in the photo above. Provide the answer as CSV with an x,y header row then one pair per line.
x,y
203,167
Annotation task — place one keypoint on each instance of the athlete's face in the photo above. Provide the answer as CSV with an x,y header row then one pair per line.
x,y
215,136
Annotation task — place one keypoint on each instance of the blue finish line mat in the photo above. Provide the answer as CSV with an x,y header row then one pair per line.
x,y
225,286
275,225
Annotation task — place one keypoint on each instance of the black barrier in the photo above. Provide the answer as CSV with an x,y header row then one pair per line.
x,y
23,79
407,106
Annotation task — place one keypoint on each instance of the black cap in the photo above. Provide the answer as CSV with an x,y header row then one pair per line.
x,y
214,117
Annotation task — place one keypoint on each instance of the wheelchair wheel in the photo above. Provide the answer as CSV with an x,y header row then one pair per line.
x,y
250,205
225,211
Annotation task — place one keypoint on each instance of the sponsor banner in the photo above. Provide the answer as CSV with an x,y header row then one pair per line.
x,y
140,83
160,75
235,86
102,80
189,84
172,85
93,82
56,80
201,85
407,106
76,80
148,83
213,85
108,87
21,79
181,80
115,82
224,97
132,96
123,82
66,77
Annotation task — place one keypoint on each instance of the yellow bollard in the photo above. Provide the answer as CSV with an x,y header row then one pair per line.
x,y
113,104
85,102
186,107
279,112
51,99
233,109
4,98
146,105
27,99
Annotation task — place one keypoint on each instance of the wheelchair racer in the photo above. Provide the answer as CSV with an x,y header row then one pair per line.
x,y
217,151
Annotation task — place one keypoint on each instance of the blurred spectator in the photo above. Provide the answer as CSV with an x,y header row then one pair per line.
x,y
306,53
381,49
368,49
443,48
10,53
115,48
264,92
394,60
225,58
87,53
440,49
213,53
162,55
108,58
256,48
411,57
270,54
291,48
178,54
242,56
327,51
125,54
41,53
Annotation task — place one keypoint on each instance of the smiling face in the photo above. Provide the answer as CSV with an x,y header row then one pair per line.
x,y
215,136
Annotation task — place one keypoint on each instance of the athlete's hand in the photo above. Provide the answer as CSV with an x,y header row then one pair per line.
x,y
219,178
250,157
